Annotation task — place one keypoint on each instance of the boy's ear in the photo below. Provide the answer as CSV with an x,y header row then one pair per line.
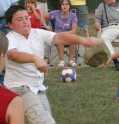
x,y
9,25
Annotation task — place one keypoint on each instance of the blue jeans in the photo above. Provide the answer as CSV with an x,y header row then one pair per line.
x,y
2,74
5,30
2,26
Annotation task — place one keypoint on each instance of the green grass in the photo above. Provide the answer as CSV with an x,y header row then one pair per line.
x,y
90,100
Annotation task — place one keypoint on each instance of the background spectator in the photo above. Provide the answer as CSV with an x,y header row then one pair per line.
x,y
65,21
82,15
107,22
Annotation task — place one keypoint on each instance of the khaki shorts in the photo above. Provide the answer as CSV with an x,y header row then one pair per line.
x,y
37,108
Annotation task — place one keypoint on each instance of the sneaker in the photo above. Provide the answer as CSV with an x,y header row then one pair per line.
x,y
72,63
61,64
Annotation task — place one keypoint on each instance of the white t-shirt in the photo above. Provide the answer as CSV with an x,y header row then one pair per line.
x,y
26,74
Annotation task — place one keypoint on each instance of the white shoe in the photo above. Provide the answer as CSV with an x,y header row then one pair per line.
x,y
72,63
61,64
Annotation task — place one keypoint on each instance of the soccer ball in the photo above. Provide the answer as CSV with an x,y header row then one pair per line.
x,y
68,75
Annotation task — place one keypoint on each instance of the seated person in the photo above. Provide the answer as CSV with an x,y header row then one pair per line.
x,y
65,21
35,16
11,105
107,19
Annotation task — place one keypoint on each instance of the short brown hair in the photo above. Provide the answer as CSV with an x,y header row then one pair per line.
x,y
31,1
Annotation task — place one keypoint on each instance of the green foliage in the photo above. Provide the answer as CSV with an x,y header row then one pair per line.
x,y
21,2
53,4
90,100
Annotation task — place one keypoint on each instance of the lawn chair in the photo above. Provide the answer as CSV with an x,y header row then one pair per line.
x,y
53,59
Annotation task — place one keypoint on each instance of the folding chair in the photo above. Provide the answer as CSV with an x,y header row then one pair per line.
x,y
54,58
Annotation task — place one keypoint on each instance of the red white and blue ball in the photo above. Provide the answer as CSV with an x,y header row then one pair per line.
x,y
68,75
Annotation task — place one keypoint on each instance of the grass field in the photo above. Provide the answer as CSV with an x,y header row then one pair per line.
x,y
90,100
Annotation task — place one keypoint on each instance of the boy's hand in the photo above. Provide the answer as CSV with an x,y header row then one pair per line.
x,y
41,65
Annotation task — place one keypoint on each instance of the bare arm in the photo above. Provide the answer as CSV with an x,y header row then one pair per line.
x,y
36,14
65,38
22,57
15,111
47,16
113,56
44,23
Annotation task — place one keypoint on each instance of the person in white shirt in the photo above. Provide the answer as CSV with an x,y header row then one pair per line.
x,y
25,65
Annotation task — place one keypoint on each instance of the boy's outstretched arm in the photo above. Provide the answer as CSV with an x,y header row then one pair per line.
x,y
67,39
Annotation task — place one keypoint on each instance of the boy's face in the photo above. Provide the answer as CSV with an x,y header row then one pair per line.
x,y
21,23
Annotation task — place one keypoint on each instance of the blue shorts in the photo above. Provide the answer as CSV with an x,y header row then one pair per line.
x,y
82,26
